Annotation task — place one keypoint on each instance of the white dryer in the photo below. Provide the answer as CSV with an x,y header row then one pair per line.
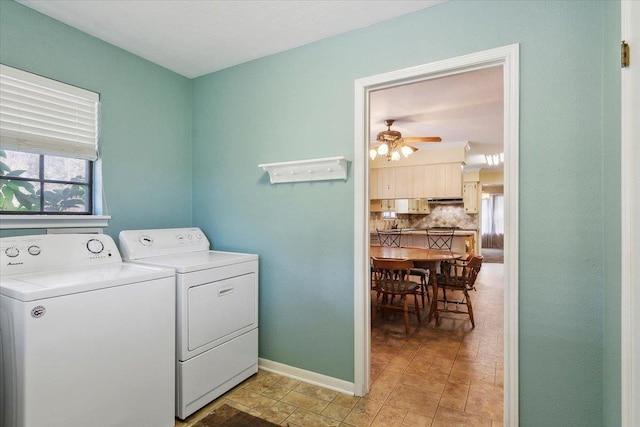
x,y
85,338
216,310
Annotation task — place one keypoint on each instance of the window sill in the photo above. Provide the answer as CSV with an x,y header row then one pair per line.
x,y
52,221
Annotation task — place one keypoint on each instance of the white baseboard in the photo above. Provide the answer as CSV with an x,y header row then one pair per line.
x,y
307,376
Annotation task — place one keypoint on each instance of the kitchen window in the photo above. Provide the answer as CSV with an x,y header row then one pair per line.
x,y
49,164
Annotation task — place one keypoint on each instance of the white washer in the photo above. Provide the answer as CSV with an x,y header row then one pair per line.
x,y
216,311
85,338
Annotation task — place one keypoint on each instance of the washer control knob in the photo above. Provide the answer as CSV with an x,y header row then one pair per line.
x,y
34,250
95,246
12,252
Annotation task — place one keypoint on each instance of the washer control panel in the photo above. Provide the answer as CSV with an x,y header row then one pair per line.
x,y
29,254
139,244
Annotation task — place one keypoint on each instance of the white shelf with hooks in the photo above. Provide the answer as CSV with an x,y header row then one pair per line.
x,y
328,168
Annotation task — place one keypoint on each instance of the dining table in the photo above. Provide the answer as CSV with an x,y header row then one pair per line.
x,y
425,258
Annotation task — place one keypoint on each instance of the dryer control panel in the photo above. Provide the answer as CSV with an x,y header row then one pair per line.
x,y
44,252
140,244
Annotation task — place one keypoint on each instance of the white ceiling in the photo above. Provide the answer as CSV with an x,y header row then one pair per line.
x,y
463,108
197,37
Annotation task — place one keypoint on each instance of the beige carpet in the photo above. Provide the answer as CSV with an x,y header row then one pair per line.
x,y
493,255
228,416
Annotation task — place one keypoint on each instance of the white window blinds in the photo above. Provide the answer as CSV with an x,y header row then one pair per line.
x,y
45,116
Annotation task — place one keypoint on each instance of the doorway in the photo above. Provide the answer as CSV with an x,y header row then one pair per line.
x,y
492,223
506,57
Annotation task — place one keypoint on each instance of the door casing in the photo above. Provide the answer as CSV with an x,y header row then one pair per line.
x,y
508,58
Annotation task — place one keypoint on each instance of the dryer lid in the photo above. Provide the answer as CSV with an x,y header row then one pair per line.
x,y
196,261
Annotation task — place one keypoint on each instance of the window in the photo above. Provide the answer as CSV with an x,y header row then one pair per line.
x,y
38,183
48,145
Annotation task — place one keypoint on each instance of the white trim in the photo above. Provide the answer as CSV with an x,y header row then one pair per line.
x,y
630,212
8,222
508,57
306,376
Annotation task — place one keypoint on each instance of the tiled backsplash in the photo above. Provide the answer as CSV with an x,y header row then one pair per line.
x,y
440,216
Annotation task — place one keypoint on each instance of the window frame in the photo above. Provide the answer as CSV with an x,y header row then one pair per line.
x,y
42,180
42,219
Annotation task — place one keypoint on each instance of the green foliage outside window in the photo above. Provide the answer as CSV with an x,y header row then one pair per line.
x,y
17,194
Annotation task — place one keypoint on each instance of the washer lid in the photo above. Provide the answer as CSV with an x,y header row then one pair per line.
x,y
196,261
55,283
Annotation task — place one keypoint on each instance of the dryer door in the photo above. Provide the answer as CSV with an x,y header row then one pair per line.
x,y
219,311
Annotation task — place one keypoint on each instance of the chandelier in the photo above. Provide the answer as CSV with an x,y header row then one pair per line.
x,y
391,144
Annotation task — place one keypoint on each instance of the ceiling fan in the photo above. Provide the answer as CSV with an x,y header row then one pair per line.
x,y
391,143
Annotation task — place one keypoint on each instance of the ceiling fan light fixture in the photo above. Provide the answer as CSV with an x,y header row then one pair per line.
x,y
407,150
392,145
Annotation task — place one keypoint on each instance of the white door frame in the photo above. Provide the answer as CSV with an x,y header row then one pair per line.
x,y
508,58
630,212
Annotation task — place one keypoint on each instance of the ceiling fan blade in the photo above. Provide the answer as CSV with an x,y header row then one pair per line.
x,y
422,139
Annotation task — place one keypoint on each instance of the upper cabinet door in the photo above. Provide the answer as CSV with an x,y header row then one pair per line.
x,y
470,197
404,182
455,171
417,182
375,184
448,180
429,180
388,188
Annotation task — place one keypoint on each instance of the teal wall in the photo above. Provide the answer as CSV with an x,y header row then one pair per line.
x,y
611,165
299,104
145,134
207,136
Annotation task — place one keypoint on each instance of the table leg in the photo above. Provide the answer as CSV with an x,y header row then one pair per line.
x,y
434,285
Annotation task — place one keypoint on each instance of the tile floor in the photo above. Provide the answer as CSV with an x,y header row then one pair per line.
x,y
443,376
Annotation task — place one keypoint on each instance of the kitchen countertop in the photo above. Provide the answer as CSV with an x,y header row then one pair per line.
x,y
460,232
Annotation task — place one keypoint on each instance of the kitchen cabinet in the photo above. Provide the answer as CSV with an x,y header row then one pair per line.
x,y
423,206
403,182
387,182
429,183
401,206
409,206
470,197
416,182
440,180
382,205
374,183
382,183
448,180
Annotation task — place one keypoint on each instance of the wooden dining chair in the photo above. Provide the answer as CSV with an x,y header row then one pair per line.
x,y
457,276
390,280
